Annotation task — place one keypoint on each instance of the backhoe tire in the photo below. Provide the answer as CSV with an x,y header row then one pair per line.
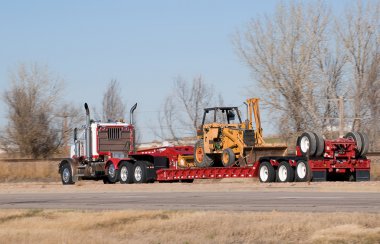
x,y
112,174
125,173
284,173
303,172
266,172
320,147
201,159
358,141
307,143
228,157
66,175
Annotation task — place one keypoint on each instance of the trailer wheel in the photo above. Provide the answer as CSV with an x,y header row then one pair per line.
x,y
201,160
303,172
66,175
266,172
365,144
358,141
112,174
228,157
320,145
285,173
307,143
125,173
139,172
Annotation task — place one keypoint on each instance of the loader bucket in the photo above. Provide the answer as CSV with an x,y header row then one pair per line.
x,y
185,161
252,154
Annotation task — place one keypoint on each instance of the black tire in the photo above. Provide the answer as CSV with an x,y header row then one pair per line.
x,y
67,175
303,172
358,141
284,172
201,159
140,172
125,173
112,174
266,172
228,157
320,144
365,144
307,143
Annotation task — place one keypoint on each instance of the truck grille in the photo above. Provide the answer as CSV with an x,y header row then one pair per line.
x,y
114,133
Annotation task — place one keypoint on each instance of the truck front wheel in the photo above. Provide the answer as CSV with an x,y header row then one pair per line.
x,y
66,175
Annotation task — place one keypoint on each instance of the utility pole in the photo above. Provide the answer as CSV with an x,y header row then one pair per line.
x,y
341,116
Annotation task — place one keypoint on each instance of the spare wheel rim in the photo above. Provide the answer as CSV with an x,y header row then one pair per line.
x,y
305,144
264,173
282,173
138,173
199,154
301,170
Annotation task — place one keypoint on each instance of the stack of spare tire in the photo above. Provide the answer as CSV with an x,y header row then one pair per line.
x,y
313,145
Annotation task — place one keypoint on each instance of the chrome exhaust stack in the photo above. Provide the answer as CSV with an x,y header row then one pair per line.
x,y
131,113
88,133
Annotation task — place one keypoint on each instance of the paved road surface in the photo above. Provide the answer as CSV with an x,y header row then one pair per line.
x,y
236,201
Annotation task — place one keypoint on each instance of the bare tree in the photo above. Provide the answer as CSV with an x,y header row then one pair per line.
x,y
113,105
183,108
283,53
359,32
32,128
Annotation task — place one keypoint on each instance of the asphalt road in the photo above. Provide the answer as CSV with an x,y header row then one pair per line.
x,y
229,201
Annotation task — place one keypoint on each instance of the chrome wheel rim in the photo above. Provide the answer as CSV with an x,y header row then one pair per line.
x,y
111,170
124,173
66,175
138,173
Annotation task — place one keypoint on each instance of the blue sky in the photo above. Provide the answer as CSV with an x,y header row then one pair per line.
x,y
142,44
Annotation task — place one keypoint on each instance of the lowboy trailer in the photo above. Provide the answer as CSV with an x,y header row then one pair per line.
x,y
107,152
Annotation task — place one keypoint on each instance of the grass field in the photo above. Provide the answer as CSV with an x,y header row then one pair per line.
x,y
50,226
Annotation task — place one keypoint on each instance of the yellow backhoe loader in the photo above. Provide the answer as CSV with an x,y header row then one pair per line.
x,y
227,140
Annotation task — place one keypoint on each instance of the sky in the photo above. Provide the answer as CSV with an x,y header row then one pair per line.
x,y
143,44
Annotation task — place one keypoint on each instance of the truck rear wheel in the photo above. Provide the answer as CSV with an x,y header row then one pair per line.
x,y
112,174
266,172
303,172
125,173
201,160
66,175
228,157
285,173
140,172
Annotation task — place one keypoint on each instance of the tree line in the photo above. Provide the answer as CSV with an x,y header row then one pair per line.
x,y
302,59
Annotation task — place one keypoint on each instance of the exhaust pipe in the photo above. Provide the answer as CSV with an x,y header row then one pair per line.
x,y
131,113
76,143
88,133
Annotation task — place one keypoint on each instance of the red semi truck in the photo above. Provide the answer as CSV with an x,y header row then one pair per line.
x,y
106,151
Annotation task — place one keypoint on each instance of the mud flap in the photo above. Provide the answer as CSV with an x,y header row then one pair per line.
x,y
362,175
320,175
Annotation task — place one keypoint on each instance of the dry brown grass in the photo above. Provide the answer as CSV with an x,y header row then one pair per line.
x,y
50,226
38,170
